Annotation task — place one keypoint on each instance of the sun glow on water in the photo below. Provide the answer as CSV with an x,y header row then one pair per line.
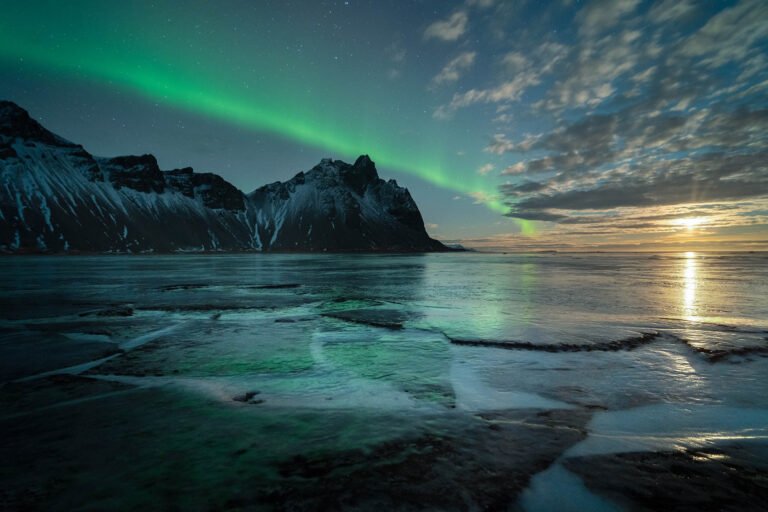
x,y
690,283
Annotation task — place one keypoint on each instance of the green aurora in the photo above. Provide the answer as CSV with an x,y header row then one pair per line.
x,y
253,89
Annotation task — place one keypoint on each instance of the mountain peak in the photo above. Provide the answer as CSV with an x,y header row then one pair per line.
x,y
9,108
359,175
364,165
364,162
16,122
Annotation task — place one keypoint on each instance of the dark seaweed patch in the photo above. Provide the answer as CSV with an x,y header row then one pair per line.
x,y
187,286
630,343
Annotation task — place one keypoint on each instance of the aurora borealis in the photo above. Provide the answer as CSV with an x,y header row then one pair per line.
x,y
482,108
292,113
257,89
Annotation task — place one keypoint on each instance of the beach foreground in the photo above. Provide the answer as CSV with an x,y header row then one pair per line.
x,y
456,381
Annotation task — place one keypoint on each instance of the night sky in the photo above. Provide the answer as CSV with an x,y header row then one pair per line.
x,y
614,124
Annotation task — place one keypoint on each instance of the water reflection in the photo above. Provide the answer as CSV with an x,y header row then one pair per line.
x,y
690,283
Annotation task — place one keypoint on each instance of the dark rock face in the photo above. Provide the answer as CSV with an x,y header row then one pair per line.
x,y
360,175
57,198
7,151
86,163
137,172
181,180
212,189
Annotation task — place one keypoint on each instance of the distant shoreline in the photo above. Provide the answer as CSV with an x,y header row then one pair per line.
x,y
362,253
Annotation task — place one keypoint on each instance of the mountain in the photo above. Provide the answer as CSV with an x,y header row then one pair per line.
x,y
57,197
346,207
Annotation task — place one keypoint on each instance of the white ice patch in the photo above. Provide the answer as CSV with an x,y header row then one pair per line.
x,y
150,336
46,211
69,370
20,208
214,240
473,394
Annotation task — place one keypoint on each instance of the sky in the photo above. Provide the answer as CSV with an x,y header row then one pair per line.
x,y
516,125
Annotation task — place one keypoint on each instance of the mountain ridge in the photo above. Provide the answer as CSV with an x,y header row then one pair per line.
x,y
57,197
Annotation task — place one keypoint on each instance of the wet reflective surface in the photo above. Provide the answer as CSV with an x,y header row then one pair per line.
x,y
445,381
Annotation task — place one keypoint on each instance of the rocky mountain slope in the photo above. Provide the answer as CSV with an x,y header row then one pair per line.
x,y
57,197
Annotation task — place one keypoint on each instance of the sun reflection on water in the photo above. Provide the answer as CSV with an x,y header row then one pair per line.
x,y
690,283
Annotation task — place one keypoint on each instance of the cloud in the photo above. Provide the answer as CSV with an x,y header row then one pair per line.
x,y
522,188
500,145
396,53
629,119
597,140
393,73
670,10
730,35
515,61
511,90
521,75
480,197
710,178
514,169
588,77
485,169
601,15
448,30
537,215
632,159
652,227
452,71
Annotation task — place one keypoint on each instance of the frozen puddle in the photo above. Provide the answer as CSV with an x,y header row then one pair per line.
x,y
473,394
670,426
558,490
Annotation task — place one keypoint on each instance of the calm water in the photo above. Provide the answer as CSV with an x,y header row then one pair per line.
x,y
441,382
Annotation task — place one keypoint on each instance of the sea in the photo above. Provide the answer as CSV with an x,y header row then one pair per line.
x,y
456,381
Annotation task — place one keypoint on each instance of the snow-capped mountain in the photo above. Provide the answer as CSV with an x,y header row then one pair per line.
x,y
340,206
57,197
